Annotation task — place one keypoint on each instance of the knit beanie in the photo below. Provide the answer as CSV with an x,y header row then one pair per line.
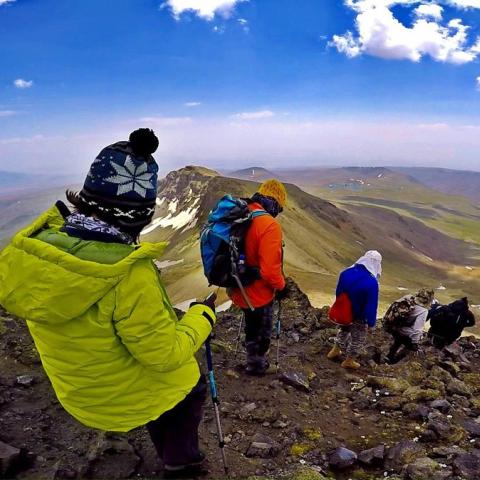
x,y
274,189
424,297
121,186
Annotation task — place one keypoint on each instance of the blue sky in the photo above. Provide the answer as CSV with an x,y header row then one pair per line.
x,y
227,83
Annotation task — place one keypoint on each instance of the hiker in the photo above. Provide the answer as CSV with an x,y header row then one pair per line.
x,y
360,283
448,321
264,251
407,317
108,337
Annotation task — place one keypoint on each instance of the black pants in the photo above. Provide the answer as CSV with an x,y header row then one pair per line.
x,y
399,341
258,333
175,432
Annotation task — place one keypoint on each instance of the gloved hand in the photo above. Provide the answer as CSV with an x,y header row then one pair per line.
x,y
282,294
209,301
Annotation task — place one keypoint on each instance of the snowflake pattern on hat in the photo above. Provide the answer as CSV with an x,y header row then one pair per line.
x,y
131,177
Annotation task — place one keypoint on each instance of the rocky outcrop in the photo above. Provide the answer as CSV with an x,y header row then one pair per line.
x,y
417,419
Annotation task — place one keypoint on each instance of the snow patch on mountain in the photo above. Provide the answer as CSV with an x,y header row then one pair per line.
x,y
186,218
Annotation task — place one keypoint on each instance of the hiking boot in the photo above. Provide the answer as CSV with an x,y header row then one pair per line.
x,y
194,469
334,353
351,364
256,371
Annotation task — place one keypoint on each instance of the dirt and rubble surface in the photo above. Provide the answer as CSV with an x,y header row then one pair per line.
x,y
418,419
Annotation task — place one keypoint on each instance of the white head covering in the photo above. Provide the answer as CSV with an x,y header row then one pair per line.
x,y
372,261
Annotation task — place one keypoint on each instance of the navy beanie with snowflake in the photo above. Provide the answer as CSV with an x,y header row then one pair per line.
x,y
121,186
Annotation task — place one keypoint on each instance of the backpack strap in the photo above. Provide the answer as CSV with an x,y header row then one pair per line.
x,y
259,213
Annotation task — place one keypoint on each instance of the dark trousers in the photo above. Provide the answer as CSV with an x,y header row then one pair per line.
x,y
175,433
396,352
258,333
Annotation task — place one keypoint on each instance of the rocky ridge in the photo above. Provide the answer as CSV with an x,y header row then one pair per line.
x,y
414,420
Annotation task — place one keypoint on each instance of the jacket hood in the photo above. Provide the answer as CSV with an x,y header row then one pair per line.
x,y
47,284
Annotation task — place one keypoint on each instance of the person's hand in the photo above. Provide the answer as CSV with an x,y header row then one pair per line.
x,y
282,294
209,301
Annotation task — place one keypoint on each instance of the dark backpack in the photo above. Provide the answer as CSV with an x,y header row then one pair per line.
x,y
399,314
222,243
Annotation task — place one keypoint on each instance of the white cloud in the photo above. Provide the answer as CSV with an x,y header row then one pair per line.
x,y
23,84
7,113
206,9
5,2
166,121
478,83
253,115
429,10
192,104
380,34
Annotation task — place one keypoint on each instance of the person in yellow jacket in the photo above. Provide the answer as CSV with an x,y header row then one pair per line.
x,y
108,337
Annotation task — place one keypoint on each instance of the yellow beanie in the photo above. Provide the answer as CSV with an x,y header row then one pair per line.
x,y
275,189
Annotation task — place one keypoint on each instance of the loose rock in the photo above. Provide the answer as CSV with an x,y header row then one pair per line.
x,y
342,458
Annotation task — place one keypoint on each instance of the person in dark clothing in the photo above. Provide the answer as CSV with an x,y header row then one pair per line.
x,y
182,459
447,322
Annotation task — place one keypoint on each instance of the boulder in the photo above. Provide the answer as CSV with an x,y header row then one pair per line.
x,y
342,458
440,374
467,466
419,394
458,387
416,412
372,456
472,427
9,456
421,469
296,380
393,385
404,452
472,380
112,457
262,446
441,405
450,367
444,429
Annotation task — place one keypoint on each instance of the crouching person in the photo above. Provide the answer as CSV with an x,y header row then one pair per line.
x,y
447,322
405,320
360,284
109,340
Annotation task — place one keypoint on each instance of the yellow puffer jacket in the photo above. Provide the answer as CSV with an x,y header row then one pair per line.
x,y
109,340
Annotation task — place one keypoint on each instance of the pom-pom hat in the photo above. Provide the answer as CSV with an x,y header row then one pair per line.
x,y
121,186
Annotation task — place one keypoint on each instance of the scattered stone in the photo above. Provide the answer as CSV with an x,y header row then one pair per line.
x,y
8,457
279,424
444,429
248,408
450,367
372,456
467,466
421,469
262,446
112,457
295,380
391,403
472,427
25,380
342,458
441,405
420,394
393,385
417,412
447,452
458,387
404,452
232,374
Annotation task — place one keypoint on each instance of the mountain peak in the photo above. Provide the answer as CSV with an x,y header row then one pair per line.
x,y
196,169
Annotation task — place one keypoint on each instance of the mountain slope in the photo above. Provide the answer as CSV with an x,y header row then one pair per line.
x,y
320,240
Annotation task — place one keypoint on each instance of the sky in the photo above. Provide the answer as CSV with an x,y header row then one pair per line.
x,y
237,83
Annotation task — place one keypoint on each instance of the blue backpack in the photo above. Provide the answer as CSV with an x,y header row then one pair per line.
x,y
221,244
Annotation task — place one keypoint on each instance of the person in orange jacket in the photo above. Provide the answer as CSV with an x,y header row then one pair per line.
x,y
264,251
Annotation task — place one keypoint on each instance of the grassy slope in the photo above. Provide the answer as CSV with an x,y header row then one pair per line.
x,y
321,240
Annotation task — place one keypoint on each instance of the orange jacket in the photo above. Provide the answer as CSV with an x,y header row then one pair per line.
x,y
263,249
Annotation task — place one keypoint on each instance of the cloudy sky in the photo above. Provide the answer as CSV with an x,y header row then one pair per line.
x,y
230,83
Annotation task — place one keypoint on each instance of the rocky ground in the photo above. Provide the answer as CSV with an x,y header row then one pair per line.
x,y
419,419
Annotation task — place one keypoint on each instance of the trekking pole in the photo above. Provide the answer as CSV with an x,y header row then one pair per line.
x,y
216,403
278,329
239,336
